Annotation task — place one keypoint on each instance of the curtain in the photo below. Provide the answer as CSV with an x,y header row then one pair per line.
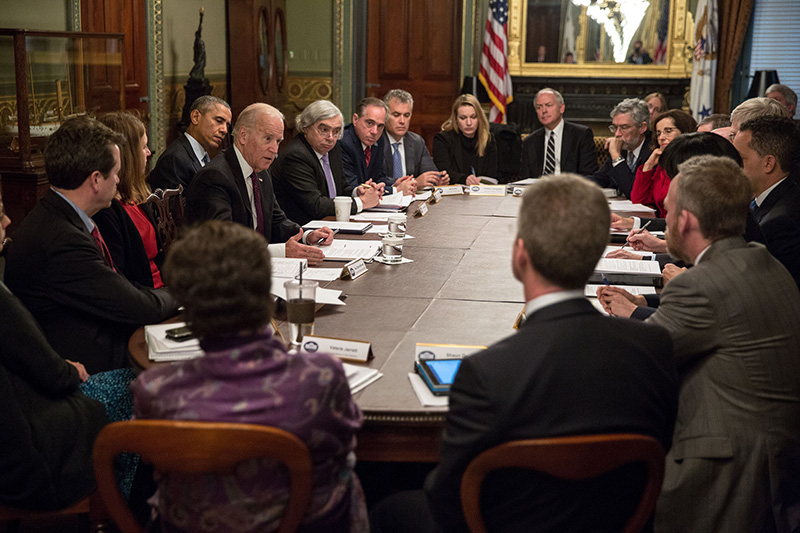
x,y
734,16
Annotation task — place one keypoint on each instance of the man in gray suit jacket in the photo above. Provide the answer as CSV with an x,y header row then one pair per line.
x,y
412,156
735,458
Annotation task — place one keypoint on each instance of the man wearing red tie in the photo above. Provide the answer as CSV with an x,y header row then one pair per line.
x,y
236,186
59,266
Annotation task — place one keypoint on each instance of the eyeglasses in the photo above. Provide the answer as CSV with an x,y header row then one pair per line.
x,y
625,127
325,131
665,131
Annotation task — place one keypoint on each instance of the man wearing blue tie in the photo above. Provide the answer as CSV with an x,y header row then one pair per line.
x,y
408,155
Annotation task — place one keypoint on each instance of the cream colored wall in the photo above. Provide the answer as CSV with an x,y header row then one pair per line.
x,y
179,24
309,29
50,15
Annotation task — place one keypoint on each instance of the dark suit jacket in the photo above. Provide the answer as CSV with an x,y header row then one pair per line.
x,y
418,159
356,171
125,243
578,152
176,166
779,218
449,155
48,425
567,371
86,310
735,457
218,192
300,185
621,176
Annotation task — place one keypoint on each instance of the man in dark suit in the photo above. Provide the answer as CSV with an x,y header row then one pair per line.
x,y
573,148
308,175
236,186
567,371
628,149
59,266
768,146
363,146
733,317
406,153
188,153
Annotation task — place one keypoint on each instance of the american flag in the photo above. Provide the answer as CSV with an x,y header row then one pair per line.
x,y
660,55
494,61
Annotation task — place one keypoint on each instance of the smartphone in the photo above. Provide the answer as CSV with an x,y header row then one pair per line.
x,y
180,334
438,374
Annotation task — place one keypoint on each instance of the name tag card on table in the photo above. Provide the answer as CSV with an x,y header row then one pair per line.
x,y
422,210
436,197
354,269
349,349
445,351
487,190
451,190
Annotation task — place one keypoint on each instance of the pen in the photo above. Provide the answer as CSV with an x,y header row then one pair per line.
x,y
637,233
335,231
473,170
605,279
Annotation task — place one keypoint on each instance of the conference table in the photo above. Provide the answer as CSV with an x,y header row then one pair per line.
x,y
459,289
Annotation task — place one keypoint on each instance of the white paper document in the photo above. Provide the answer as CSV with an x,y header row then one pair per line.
x,y
342,250
287,267
323,296
628,266
610,249
426,397
627,205
160,348
393,202
372,215
591,290
423,196
322,274
342,227
359,377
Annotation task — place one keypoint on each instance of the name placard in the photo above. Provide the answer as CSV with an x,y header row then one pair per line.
x,y
422,210
342,348
450,190
445,351
354,269
487,190
436,197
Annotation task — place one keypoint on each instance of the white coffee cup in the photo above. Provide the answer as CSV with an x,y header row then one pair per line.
x,y
343,205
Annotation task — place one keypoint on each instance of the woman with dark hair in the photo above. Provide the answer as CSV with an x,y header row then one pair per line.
x,y
651,183
220,272
465,148
128,225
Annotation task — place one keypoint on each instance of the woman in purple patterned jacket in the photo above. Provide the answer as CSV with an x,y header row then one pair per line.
x,y
220,272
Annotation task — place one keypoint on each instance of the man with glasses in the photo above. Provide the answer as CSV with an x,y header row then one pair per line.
x,y
628,148
362,145
309,174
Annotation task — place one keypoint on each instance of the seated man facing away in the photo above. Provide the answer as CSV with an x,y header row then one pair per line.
x,y
237,186
308,175
567,371
735,458
220,272
209,118
59,265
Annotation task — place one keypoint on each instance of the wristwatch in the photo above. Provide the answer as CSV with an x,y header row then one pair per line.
x,y
617,161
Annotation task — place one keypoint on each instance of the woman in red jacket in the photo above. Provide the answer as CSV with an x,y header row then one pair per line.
x,y
651,183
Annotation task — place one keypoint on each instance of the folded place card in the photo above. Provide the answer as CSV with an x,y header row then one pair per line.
x,y
445,351
422,210
487,190
450,190
436,197
354,269
342,348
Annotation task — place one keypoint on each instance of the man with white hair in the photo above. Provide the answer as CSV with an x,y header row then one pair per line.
x,y
309,174
784,95
237,187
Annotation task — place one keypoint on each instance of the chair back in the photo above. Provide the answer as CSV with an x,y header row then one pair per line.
x,y
198,447
573,458
602,153
169,214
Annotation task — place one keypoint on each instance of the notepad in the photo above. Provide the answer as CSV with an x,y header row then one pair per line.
x,y
341,250
591,290
356,228
628,266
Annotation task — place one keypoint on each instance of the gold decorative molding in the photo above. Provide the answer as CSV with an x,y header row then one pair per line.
x,y
155,74
302,90
338,54
75,15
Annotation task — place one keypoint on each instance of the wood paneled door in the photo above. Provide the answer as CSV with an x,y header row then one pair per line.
x,y
128,17
416,45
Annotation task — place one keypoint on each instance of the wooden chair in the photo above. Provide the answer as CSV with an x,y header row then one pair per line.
x,y
92,505
602,153
196,447
576,457
169,214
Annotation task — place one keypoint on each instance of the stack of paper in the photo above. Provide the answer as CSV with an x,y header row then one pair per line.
x,y
287,267
357,228
627,205
393,202
341,250
160,348
628,266
591,290
359,377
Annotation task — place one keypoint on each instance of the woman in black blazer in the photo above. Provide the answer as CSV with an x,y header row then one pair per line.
x,y
465,147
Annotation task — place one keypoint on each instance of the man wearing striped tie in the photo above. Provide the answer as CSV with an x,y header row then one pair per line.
x,y
408,155
558,146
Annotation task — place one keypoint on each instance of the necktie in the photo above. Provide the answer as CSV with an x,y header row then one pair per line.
x,y
631,161
103,248
326,168
367,153
550,159
398,162
206,159
259,214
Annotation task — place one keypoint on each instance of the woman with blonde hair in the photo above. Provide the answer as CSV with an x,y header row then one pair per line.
x,y
465,147
128,225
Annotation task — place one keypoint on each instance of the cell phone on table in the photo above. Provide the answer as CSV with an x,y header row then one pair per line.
x,y
180,334
438,374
